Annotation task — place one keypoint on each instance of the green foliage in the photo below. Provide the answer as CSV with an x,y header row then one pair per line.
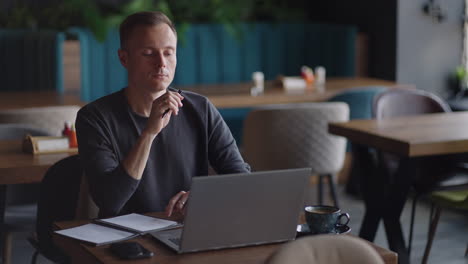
x,y
461,73
21,16
58,16
461,78
99,18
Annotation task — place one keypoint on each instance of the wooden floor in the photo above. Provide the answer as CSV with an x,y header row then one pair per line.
x,y
449,244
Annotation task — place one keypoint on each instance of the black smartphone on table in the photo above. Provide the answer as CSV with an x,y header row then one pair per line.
x,y
130,250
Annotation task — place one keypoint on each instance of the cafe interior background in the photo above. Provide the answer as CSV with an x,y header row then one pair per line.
x,y
412,42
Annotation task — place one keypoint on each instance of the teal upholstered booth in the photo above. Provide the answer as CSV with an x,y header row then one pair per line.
x,y
101,71
359,100
234,118
209,54
31,60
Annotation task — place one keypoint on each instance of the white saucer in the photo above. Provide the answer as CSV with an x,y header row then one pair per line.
x,y
303,229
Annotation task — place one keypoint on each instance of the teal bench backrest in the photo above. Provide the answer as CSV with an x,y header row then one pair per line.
x,y
208,54
31,60
234,118
212,55
359,100
101,71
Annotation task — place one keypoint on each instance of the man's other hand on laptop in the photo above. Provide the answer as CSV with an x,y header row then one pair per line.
x,y
177,203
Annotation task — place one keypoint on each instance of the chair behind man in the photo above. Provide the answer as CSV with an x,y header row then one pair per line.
x,y
408,102
58,201
296,136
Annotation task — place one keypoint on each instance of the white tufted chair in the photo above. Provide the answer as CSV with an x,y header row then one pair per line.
x,y
295,136
50,118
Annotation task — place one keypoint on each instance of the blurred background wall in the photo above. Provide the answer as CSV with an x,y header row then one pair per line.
x,y
404,44
428,49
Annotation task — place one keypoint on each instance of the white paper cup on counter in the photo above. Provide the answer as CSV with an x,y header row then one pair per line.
x,y
258,80
320,76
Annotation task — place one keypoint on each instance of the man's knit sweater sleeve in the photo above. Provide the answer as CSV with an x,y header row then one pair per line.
x,y
223,154
110,185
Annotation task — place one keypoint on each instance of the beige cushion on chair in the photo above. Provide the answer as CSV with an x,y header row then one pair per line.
x,y
326,249
49,118
294,136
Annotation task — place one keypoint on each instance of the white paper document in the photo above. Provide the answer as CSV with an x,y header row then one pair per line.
x,y
97,234
139,223
52,144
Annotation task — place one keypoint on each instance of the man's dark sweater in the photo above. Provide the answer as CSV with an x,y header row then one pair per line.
x,y
196,138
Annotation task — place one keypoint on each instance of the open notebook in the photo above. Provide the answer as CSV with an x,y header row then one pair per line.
x,y
115,229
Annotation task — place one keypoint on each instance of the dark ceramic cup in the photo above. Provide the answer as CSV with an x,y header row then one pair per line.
x,y
323,219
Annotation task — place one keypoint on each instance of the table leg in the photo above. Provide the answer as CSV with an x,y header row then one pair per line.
x,y
385,195
371,191
399,187
3,194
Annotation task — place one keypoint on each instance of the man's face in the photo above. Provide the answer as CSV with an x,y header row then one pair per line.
x,y
150,57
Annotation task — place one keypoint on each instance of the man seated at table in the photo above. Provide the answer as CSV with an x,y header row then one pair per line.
x,y
141,146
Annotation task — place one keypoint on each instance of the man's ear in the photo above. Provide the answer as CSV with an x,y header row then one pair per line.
x,y
123,57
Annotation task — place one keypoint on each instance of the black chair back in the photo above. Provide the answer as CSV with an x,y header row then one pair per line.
x,y
58,201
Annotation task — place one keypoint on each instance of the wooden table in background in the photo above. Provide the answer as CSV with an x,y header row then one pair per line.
x,y
17,167
83,253
26,99
238,94
408,137
412,136
221,95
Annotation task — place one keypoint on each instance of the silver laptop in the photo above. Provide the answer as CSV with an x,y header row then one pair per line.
x,y
237,210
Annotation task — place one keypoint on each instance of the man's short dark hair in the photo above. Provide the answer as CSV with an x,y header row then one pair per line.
x,y
142,19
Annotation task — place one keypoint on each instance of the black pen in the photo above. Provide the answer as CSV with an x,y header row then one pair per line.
x,y
167,110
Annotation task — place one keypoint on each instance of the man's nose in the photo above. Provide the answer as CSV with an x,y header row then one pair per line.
x,y
160,61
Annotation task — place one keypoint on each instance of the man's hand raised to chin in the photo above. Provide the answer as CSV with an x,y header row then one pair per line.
x,y
135,161
161,111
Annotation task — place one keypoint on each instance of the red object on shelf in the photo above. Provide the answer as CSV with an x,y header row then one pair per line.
x,y
67,129
307,74
72,137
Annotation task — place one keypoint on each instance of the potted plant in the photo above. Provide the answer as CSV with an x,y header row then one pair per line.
x,y
458,82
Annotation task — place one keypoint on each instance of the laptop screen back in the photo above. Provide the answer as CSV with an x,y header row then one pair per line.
x,y
243,209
